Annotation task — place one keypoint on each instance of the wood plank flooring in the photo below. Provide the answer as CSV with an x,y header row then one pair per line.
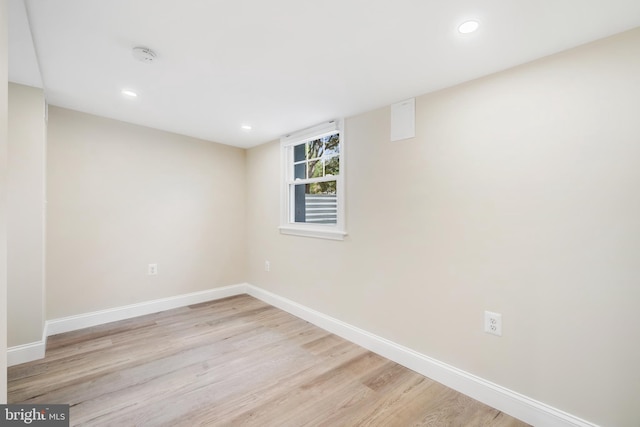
x,y
236,361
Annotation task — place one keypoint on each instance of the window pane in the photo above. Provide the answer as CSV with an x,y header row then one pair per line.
x,y
316,169
332,145
332,166
317,158
315,149
299,153
300,171
315,203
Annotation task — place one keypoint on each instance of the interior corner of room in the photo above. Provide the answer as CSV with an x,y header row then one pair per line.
x,y
516,195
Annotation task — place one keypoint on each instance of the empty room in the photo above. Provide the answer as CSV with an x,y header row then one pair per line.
x,y
305,213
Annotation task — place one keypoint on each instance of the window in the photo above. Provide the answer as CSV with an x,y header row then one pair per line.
x,y
312,184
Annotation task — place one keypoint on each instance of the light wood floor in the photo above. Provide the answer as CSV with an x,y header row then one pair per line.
x,y
236,361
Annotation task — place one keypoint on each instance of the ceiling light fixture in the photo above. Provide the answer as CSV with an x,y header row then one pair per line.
x,y
129,93
246,127
468,27
144,54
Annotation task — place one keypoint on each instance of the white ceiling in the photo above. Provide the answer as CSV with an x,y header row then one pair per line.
x,y
281,65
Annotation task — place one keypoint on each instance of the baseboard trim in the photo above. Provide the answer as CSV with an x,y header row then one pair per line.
x,y
72,323
512,403
36,350
26,352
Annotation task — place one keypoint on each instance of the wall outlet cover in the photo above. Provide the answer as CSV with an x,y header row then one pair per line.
x,y
493,323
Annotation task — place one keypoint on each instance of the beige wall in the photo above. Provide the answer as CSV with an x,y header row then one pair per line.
x,y
122,196
519,195
4,79
25,215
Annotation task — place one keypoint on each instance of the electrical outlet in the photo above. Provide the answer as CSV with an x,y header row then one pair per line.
x,y
493,323
267,266
152,269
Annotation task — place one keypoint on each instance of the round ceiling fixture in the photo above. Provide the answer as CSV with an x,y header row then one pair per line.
x,y
144,54
468,27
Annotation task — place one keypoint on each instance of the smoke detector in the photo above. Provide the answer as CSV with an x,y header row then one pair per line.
x,y
144,54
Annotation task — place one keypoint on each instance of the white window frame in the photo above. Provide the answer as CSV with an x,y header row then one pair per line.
x,y
287,225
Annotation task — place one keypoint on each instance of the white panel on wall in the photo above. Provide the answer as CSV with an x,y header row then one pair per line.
x,y
403,120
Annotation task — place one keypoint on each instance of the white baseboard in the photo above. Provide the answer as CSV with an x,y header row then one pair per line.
x,y
72,323
36,350
512,403
26,352
503,399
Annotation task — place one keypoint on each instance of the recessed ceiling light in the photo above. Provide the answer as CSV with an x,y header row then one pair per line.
x,y
468,27
246,127
129,93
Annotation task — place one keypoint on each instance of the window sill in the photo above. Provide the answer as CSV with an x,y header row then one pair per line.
x,y
319,233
